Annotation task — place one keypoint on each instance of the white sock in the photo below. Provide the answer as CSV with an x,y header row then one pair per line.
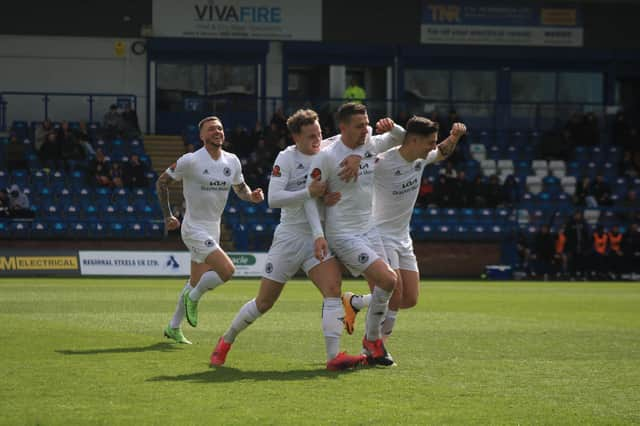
x,y
178,315
389,322
245,316
358,302
332,324
208,281
377,312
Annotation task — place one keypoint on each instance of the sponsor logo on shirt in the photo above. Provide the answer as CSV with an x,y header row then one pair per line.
x,y
276,171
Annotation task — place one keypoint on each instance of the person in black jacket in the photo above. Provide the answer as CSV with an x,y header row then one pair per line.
x,y
544,249
578,245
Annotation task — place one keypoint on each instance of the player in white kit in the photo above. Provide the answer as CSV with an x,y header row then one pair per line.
x,y
397,182
207,175
349,227
293,247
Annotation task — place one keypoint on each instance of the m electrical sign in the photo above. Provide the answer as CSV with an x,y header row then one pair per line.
x,y
238,19
30,263
495,23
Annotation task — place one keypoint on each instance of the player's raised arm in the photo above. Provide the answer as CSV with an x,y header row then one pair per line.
x,y
279,196
391,135
447,146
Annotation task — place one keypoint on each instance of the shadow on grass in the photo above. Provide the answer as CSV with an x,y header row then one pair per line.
x,y
159,347
226,374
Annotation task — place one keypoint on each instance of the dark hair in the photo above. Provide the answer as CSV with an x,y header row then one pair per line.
x,y
350,108
301,117
210,118
421,126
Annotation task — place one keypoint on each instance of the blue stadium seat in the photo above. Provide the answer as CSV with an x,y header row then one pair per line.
x,y
78,230
117,230
58,229
155,230
20,178
20,229
39,230
98,230
135,230
57,180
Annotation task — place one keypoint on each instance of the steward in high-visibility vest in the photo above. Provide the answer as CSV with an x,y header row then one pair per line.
x,y
600,242
615,241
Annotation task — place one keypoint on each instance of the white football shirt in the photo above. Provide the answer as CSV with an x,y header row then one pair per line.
x,y
352,214
396,186
205,184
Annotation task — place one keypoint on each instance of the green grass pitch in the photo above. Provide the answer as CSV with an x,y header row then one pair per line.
x,y
91,352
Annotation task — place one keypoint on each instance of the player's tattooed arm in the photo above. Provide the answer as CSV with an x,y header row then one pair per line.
x,y
245,193
162,189
447,146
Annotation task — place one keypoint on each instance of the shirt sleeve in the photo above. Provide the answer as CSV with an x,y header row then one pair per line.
x,y
385,141
278,196
432,157
180,168
238,178
318,170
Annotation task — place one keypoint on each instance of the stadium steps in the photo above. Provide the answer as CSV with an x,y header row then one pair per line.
x,y
164,151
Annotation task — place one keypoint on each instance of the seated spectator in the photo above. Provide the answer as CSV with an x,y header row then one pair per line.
x,y
461,191
555,145
19,203
134,173
50,152
42,131
74,155
112,122
478,192
425,194
443,196
129,122
511,190
601,191
494,192
590,131
89,152
583,195
116,175
16,154
100,169
4,203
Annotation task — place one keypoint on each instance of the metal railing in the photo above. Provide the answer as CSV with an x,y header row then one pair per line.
x,y
38,106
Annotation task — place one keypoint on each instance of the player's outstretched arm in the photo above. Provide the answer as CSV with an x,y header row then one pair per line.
x,y
162,189
389,135
245,193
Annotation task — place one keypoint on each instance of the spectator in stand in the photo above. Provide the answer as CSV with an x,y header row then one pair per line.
x,y
574,129
129,122
478,192
50,152
556,145
511,191
42,131
240,141
189,147
494,192
135,173
578,245
100,168
280,120
560,255
355,92
74,155
4,203
116,175
89,152
16,152
460,187
601,191
443,195
631,249
616,253
583,195
543,252
18,203
82,132
600,241
425,195
112,122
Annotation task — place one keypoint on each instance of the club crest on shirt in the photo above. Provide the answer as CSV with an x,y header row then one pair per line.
x,y
226,171
316,174
276,171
